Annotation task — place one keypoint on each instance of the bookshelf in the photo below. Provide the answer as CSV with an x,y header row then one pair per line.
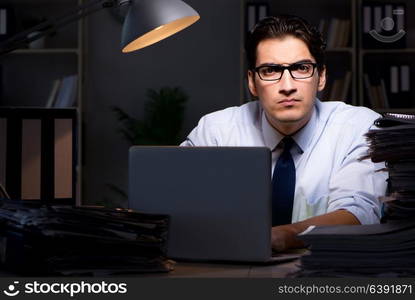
x,y
386,65
351,57
28,75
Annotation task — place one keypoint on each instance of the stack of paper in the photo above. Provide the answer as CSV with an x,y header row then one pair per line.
x,y
394,143
81,241
379,250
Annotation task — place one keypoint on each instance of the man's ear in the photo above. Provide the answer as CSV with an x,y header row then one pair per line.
x,y
321,80
251,83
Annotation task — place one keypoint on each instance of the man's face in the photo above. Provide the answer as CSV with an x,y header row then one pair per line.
x,y
287,102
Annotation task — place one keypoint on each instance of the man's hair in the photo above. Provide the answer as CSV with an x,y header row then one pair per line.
x,y
281,26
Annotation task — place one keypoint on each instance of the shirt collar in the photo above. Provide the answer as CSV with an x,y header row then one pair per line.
x,y
271,136
302,138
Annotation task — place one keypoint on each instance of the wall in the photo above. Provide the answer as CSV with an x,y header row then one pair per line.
x,y
204,60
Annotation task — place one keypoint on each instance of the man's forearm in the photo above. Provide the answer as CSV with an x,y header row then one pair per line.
x,y
285,236
338,217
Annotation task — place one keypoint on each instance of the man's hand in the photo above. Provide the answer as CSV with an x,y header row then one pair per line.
x,y
284,237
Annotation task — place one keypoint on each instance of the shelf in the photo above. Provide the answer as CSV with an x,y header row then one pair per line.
x,y
387,51
29,76
30,2
395,110
47,51
350,50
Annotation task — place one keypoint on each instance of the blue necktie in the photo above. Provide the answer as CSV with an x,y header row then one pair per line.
x,y
283,185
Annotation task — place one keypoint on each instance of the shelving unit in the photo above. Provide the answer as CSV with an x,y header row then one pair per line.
x,y
354,58
48,51
377,61
27,75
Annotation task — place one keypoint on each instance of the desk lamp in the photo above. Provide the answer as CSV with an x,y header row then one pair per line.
x,y
146,22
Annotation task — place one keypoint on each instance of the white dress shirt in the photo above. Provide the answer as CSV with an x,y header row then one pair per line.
x,y
329,174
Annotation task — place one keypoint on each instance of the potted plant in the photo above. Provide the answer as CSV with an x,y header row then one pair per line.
x,y
163,118
161,125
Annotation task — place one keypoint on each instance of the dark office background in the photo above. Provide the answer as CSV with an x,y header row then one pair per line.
x,y
204,60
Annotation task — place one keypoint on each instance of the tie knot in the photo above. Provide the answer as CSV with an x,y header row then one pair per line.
x,y
287,143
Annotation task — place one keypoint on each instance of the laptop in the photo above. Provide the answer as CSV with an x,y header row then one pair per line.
x,y
218,199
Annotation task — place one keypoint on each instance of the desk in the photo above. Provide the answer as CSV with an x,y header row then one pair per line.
x,y
221,270
214,270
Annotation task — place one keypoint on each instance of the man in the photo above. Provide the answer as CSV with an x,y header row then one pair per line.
x,y
318,178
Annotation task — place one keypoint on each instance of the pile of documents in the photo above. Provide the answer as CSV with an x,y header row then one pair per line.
x,y
394,144
63,240
379,250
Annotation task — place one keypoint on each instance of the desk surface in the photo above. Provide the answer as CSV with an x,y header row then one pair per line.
x,y
220,270
216,270
186,269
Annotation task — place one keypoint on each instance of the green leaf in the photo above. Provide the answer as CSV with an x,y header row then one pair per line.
x,y
163,118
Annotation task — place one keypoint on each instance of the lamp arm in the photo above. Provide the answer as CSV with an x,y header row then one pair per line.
x,y
19,40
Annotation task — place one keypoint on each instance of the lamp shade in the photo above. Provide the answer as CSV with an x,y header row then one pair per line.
x,y
149,21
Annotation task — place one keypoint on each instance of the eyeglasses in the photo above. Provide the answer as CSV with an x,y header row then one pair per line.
x,y
275,72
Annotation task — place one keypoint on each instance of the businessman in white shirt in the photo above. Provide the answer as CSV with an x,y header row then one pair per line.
x,y
318,178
